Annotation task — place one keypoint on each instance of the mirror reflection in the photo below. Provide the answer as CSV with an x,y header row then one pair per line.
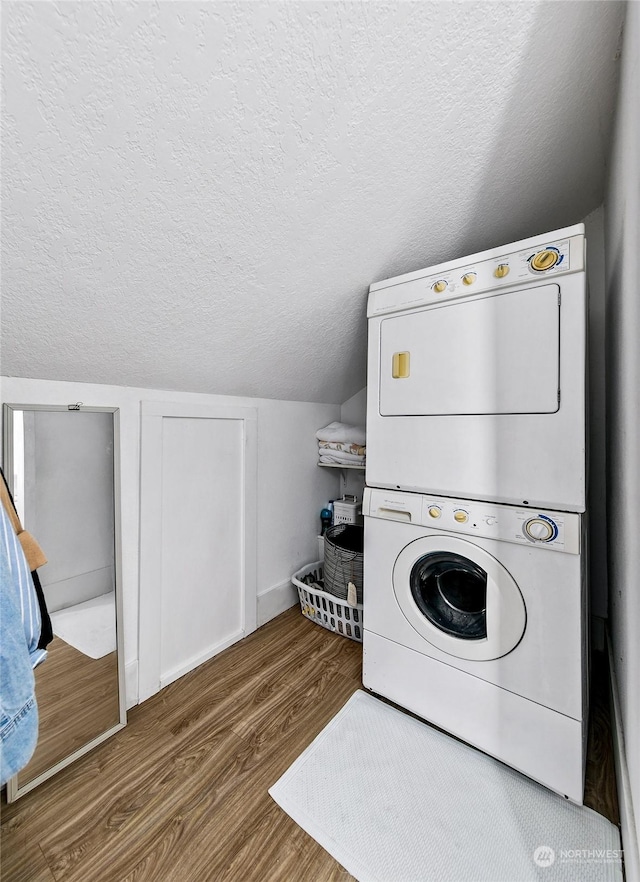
x,y
61,473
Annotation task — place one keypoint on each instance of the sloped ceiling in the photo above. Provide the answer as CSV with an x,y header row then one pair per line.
x,y
196,196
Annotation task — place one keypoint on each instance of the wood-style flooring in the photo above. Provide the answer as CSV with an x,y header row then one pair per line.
x,y
180,794
77,701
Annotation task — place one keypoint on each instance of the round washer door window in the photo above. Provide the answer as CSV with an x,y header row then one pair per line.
x,y
459,598
451,592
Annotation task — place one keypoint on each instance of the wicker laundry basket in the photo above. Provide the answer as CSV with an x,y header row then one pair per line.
x,y
343,560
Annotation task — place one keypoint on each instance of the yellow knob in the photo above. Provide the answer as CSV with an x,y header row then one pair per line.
x,y
461,517
468,278
440,286
434,511
501,270
544,260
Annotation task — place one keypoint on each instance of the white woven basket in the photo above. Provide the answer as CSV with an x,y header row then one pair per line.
x,y
326,609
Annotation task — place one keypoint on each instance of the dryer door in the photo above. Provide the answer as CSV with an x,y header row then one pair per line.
x,y
459,598
489,355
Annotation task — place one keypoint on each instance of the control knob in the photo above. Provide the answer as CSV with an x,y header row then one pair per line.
x,y
544,260
540,529
439,286
501,270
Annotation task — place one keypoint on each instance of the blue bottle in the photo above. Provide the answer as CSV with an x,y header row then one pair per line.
x,y
325,519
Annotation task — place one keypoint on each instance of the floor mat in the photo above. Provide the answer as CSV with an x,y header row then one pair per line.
x,y
395,800
89,627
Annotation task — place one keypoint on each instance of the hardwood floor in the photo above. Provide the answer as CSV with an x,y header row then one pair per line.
x,y
180,794
600,781
77,701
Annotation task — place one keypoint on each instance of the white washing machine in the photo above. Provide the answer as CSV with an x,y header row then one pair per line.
x,y
476,376
475,620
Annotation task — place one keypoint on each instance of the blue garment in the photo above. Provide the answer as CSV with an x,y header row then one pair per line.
x,y
19,654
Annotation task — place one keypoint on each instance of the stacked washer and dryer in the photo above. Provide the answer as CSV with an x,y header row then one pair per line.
x,y
475,612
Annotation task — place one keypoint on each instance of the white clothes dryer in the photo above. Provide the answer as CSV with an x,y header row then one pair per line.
x,y
476,376
475,619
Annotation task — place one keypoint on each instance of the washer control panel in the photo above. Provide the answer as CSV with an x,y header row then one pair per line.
x,y
488,272
529,527
502,522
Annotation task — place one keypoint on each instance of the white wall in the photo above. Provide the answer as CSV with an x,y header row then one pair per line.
x,y
291,488
622,238
354,413
69,503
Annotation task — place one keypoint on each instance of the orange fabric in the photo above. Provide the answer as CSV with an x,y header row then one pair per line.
x,y
32,551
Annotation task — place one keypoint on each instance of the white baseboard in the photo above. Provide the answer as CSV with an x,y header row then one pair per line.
x,y
628,829
197,660
131,683
276,600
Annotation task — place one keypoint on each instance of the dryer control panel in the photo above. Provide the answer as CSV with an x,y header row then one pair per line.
x,y
552,530
559,253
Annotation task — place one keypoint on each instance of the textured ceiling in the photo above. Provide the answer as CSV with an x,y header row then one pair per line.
x,y
196,196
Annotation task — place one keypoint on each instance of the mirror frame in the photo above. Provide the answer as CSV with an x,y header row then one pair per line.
x,y
14,789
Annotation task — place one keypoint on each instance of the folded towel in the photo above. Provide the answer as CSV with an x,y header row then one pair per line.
x,y
342,432
344,446
337,458
341,454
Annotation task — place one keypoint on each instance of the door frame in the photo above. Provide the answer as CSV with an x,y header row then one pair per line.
x,y
152,414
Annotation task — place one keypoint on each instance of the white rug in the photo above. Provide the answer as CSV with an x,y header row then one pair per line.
x,y
89,627
394,800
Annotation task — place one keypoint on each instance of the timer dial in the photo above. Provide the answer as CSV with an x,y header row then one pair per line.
x,y
540,529
544,260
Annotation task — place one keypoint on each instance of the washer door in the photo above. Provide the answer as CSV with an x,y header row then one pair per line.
x,y
459,598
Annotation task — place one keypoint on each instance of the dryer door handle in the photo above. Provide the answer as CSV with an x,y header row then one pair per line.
x,y
401,365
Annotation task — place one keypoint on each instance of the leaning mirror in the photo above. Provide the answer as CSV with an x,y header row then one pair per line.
x,y
61,464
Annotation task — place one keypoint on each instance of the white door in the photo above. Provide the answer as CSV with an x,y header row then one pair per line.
x,y
490,355
197,553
